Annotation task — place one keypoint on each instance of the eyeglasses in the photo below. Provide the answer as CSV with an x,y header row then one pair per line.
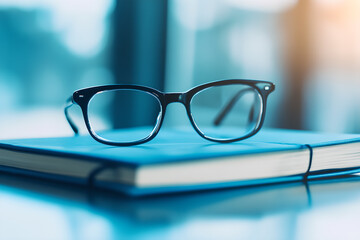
x,y
221,111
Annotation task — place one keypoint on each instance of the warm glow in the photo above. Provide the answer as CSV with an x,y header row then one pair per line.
x,y
336,33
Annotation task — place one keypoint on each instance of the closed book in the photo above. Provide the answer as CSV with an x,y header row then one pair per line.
x,y
179,160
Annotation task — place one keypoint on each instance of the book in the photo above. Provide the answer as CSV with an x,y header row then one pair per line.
x,y
179,160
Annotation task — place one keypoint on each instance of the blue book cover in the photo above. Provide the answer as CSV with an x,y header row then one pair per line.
x,y
179,160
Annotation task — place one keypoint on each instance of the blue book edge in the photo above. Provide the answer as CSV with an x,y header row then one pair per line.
x,y
282,138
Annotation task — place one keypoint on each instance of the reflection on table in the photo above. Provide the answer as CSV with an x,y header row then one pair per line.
x,y
34,209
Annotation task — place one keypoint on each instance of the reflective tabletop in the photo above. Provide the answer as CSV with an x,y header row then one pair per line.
x,y
322,209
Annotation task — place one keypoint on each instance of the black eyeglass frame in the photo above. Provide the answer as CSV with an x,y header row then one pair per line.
x,y
82,98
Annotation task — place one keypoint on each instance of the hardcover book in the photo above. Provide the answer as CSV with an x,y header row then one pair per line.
x,y
179,160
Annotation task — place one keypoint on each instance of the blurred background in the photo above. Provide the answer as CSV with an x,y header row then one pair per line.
x,y
310,49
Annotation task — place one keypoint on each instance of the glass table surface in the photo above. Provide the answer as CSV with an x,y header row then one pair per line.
x,y
320,209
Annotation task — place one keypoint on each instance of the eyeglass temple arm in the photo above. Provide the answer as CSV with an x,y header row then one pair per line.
x,y
69,103
225,110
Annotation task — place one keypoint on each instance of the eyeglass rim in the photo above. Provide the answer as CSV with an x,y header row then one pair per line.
x,y
83,96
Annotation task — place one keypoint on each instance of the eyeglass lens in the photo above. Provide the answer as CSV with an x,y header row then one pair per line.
x,y
131,108
227,112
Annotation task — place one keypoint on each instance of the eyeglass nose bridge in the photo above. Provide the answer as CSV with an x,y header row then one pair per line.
x,y
175,97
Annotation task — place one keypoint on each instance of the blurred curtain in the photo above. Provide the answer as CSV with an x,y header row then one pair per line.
x,y
138,50
297,57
